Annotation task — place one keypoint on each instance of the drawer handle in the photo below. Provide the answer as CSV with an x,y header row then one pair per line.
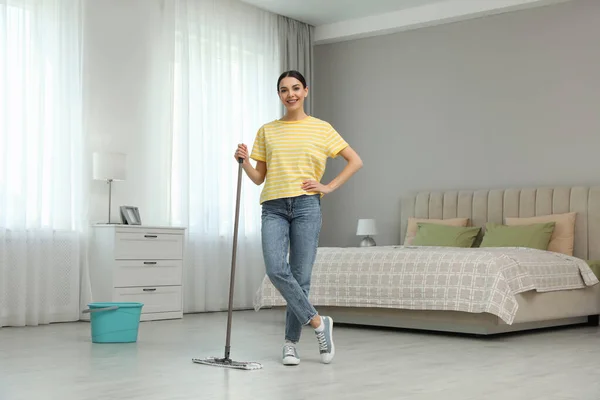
x,y
150,290
150,236
150,262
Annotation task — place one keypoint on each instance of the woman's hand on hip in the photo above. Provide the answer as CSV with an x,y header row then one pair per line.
x,y
311,185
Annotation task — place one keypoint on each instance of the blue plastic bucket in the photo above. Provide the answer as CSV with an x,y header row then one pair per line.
x,y
114,322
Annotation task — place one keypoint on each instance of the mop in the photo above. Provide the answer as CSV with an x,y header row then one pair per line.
x,y
226,361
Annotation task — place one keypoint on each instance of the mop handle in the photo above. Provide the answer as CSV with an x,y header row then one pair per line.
x,y
233,258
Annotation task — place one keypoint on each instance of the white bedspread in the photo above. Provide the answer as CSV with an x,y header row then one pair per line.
x,y
472,280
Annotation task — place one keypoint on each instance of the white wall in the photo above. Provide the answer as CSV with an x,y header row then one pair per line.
x,y
122,64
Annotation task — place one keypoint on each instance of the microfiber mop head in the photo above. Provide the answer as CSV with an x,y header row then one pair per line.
x,y
228,363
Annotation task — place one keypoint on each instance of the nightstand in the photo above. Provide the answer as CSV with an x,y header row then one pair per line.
x,y
136,263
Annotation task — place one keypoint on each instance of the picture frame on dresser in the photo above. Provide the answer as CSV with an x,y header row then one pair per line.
x,y
137,263
130,215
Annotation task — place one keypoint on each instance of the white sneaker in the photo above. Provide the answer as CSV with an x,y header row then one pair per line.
x,y
290,355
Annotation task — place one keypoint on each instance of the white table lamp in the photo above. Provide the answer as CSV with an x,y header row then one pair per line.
x,y
109,167
366,228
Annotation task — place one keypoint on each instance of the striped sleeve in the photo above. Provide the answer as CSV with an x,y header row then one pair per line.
x,y
258,150
334,143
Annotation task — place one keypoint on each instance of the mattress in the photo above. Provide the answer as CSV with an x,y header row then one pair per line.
x,y
474,280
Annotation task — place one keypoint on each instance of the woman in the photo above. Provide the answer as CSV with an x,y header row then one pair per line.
x,y
291,154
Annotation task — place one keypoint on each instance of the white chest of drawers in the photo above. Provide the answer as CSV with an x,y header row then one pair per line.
x,y
140,264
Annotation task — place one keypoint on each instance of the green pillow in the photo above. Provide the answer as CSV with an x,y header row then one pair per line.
x,y
536,236
444,235
595,267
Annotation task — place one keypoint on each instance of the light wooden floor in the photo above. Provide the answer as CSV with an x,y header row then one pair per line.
x,y
59,362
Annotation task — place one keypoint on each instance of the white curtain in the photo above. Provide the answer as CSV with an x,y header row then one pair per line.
x,y
42,190
224,79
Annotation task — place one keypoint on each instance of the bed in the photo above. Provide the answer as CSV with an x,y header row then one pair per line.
x,y
474,290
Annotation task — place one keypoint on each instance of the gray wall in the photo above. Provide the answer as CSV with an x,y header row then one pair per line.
x,y
511,100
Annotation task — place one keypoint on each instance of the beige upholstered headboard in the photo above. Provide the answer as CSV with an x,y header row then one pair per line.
x,y
483,206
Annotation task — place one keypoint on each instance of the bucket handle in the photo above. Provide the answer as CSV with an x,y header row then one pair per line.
x,y
99,309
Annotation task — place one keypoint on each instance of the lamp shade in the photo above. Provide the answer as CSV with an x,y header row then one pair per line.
x,y
108,166
366,227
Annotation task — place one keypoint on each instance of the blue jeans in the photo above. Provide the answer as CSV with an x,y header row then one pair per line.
x,y
292,224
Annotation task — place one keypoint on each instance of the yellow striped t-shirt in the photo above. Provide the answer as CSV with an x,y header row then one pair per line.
x,y
294,151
